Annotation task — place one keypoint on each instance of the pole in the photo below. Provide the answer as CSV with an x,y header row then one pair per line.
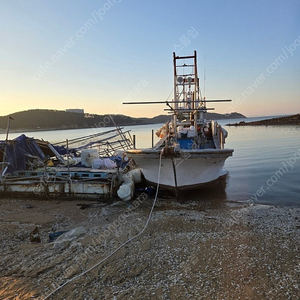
x,y
68,162
152,138
175,178
8,127
133,141
6,141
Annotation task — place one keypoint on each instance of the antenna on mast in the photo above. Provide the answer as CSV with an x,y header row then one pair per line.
x,y
204,78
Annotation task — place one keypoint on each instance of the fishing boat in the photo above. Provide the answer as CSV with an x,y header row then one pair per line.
x,y
190,152
91,166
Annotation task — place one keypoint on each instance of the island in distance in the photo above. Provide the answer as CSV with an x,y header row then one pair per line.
x,y
286,120
44,119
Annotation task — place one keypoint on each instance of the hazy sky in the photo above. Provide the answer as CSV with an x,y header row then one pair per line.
x,y
94,55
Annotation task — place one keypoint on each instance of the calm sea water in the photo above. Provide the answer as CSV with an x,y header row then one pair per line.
x,y
264,168
265,165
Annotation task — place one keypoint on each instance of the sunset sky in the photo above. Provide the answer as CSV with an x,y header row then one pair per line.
x,y
95,55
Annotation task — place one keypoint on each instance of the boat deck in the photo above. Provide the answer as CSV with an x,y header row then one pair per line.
x,y
77,182
74,172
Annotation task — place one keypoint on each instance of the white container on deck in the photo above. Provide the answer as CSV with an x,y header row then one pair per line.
x,y
88,156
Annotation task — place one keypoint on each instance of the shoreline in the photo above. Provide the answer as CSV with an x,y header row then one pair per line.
x,y
60,129
280,121
43,119
3,131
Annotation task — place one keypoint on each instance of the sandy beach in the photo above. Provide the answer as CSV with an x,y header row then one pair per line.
x,y
189,250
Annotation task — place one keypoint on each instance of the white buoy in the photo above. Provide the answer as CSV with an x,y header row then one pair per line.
x,y
136,174
126,190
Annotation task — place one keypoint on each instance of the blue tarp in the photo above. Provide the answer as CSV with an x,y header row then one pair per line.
x,y
18,152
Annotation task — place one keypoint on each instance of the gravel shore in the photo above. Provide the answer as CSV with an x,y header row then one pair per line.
x,y
189,250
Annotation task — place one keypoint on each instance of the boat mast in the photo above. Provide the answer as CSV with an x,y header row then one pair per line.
x,y
174,118
186,90
196,91
187,106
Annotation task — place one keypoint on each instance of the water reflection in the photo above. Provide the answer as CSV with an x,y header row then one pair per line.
x,y
259,152
213,196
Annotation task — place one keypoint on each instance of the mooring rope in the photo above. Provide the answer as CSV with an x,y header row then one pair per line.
x,y
120,247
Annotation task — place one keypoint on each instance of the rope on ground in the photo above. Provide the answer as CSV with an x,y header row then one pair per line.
x,y
120,247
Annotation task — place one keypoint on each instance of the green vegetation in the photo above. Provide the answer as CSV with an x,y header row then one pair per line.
x,y
287,120
44,119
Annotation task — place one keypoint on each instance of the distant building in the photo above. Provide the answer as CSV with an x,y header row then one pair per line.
x,y
87,115
75,110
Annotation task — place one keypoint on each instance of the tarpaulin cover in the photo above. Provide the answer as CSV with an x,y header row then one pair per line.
x,y
61,149
18,152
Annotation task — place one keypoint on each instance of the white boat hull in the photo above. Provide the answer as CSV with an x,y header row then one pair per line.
x,y
185,169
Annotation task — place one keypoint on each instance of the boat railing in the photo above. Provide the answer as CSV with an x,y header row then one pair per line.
x,y
106,143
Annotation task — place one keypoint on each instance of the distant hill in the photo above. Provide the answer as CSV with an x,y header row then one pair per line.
x,y
287,120
44,119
